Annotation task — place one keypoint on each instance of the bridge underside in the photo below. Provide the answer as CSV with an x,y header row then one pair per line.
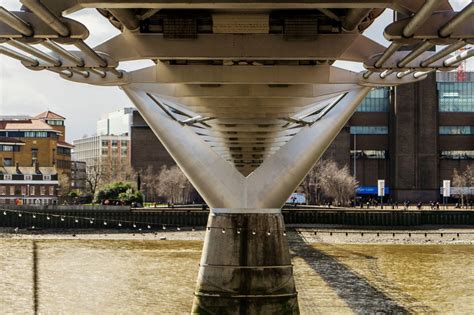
x,y
245,97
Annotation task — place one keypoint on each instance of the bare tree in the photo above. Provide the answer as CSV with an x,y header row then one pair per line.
x,y
463,181
150,183
116,169
94,176
174,185
64,184
334,182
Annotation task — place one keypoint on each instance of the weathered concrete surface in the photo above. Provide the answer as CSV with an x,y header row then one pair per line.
x,y
245,267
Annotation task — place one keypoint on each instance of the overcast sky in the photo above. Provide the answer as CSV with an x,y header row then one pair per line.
x,y
26,92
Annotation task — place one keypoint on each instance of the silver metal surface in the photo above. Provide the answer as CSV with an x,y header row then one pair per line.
x,y
15,22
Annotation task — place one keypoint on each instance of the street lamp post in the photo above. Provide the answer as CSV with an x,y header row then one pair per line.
x,y
355,156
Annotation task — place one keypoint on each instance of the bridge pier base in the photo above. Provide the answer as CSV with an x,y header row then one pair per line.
x,y
245,266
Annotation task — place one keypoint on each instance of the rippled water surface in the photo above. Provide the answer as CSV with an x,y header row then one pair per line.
x,y
158,277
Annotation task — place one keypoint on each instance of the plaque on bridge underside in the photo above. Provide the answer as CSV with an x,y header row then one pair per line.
x,y
240,23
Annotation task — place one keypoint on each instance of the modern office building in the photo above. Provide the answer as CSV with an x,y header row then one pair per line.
x,y
110,147
116,123
413,136
102,150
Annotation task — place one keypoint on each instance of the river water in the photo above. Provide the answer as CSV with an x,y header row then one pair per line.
x,y
158,277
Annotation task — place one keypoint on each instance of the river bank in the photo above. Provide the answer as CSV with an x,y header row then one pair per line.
x,y
308,234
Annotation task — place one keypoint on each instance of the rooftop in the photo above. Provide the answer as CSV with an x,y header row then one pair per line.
x,y
28,170
48,115
65,144
27,124
10,140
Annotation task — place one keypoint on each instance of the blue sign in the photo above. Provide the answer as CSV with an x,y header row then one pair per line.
x,y
370,190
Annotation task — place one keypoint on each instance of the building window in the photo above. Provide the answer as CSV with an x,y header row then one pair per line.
x,y
369,154
456,96
28,177
23,190
3,190
105,143
105,151
42,190
114,143
378,100
32,190
12,190
7,162
123,143
456,130
29,134
64,151
55,122
123,151
34,154
369,130
51,190
9,148
457,155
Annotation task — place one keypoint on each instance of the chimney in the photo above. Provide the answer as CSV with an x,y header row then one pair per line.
x,y
37,169
17,165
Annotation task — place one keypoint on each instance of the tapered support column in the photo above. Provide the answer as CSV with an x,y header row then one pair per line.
x,y
245,266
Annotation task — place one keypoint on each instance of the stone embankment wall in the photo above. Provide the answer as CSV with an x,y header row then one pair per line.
x,y
117,217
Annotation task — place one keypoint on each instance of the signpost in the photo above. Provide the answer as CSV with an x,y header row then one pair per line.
x,y
446,190
381,190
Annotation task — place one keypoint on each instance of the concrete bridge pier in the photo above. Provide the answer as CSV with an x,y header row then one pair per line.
x,y
245,266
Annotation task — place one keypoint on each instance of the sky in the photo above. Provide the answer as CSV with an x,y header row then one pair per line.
x,y
26,92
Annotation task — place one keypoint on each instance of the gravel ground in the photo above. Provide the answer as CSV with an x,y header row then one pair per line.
x,y
311,234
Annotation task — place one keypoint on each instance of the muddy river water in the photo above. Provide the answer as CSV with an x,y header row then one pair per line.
x,y
158,277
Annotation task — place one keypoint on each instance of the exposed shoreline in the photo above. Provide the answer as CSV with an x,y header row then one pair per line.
x,y
309,234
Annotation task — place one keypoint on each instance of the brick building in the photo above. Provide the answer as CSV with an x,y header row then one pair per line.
x,y
146,149
33,152
413,136
39,139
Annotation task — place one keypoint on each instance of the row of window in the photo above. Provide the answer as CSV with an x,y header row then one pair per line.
x,y
369,130
457,155
9,148
55,122
456,130
64,151
382,154
27,177
63,164
114,143
29,134
378,100
456,96
369,154
123,151
453,97
383,130
23,190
